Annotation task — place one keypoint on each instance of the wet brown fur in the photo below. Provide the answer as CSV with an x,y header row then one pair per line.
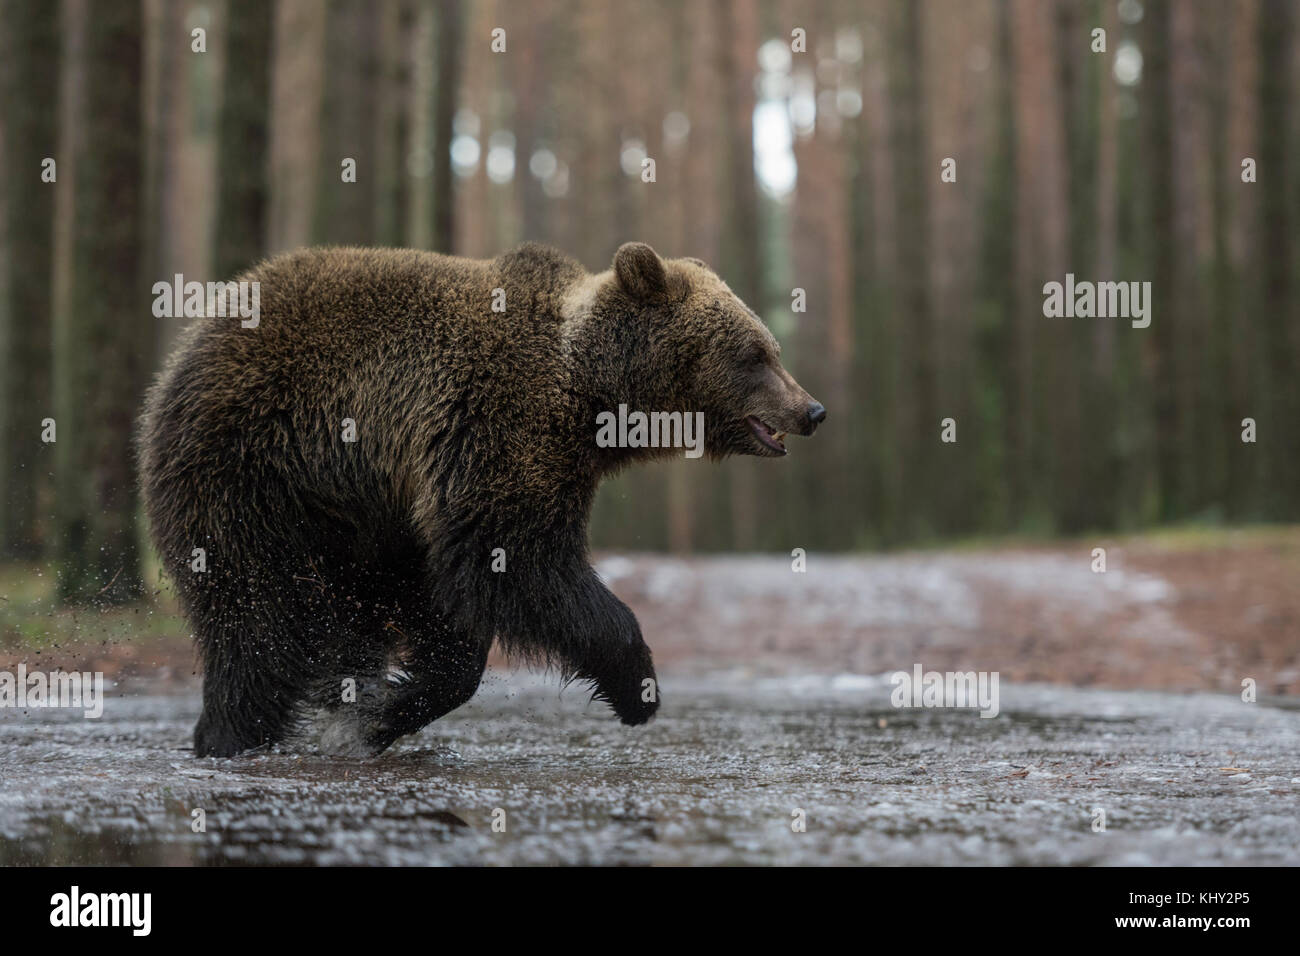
x,y
329,560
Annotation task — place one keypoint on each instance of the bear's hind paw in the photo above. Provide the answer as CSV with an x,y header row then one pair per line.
x,y
344,735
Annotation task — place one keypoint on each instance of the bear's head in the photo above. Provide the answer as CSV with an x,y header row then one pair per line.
x,y
687,343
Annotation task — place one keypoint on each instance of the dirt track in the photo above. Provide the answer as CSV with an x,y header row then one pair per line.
x,y
1159,618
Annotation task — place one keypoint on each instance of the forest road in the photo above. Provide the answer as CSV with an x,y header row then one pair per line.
x,y
736,769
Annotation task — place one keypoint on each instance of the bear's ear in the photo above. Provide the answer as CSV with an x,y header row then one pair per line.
x,y
640,271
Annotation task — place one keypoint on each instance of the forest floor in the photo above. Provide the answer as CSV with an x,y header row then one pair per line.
x,y
1120,693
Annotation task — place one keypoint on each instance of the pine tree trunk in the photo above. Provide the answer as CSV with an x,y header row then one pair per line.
x,y
243,138
100,316
448,84
29,56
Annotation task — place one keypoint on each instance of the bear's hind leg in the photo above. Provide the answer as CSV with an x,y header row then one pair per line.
x,y
349,697
440,672
441,676
263,636
248,700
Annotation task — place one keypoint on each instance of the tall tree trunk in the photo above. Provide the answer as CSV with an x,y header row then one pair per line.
x,y
421,149
166,113
243,161
528,73
1041,255
882,323
1102,463
1240,258
1200,443
29,57
738,42
296,95
345,208
1072,502
450,41
100,327
918,418
1161,338
1280,404
391,191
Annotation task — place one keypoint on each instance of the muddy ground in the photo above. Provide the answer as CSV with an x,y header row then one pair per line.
x,y
1120,700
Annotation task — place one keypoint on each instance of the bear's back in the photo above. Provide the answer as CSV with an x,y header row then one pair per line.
x,y
405,343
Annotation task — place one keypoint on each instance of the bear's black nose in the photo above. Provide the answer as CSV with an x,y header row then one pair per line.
x,y
816,414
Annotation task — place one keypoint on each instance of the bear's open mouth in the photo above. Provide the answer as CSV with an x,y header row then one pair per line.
x,y
766,434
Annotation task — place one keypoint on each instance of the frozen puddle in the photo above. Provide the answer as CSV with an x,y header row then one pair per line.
x,y
718,778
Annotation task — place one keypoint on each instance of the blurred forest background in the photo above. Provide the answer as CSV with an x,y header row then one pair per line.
x,y
816,169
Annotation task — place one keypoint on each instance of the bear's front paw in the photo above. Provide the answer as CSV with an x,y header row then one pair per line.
x,y
621,667
634,699
638,711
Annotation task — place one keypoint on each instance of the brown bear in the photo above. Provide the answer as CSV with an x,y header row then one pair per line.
x,y
395,466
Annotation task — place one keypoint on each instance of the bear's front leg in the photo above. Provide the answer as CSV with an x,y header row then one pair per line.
x,y
554,607
606,648
624,673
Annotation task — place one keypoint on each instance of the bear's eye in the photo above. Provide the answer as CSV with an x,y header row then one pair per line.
x,y
755,357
